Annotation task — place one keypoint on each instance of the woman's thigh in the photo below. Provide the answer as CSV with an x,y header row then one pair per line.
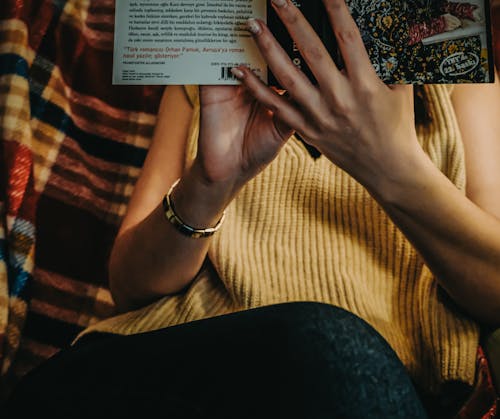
x,y
293,360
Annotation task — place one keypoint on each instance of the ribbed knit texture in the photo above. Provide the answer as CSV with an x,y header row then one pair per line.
x,y
304,230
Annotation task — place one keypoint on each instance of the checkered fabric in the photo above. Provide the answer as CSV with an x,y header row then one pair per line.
x,y
71,149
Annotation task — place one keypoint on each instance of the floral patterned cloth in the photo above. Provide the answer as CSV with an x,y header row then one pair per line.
x,y
385,31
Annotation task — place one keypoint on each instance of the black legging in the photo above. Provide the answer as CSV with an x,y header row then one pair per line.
x,y
294,360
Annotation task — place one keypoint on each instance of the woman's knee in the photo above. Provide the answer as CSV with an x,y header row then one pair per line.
x,y
327,353
318,323
323,338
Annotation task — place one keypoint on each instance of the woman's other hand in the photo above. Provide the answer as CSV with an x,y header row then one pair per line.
x,y
238,136
362,125
368,129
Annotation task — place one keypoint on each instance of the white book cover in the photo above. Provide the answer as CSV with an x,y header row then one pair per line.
x,y
184,42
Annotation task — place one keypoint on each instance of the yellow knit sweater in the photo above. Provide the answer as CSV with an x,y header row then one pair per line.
x,y
304,230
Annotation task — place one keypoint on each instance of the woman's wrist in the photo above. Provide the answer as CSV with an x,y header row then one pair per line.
x,y
404,186
394,179
198,203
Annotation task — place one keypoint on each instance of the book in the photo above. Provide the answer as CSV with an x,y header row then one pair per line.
x,y
199,41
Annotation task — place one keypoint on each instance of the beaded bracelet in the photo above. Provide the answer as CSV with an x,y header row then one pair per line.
x,y
181,226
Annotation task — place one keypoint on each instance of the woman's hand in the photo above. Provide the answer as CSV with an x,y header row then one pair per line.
x,y
362,125
238,136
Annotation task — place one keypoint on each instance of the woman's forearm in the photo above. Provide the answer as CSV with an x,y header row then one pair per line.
x,y
153,259
458,240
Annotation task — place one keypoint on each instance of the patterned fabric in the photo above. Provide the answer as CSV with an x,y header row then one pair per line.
x,y
460,10
385,29
427,9
71,149
419,31
483,403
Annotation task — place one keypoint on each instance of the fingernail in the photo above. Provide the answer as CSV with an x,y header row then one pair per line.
x,y
253,26
237,73
279,3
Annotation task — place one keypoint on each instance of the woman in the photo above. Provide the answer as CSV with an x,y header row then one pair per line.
x,y
299,229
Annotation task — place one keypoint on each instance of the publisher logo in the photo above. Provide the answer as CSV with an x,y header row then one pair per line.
x,y
459,64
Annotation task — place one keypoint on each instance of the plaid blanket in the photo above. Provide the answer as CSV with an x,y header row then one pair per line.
x,y
71,150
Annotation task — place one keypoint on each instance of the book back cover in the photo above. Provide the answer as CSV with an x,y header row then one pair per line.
x,y
199,41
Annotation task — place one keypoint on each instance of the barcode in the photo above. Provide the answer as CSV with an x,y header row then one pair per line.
x,y
225,73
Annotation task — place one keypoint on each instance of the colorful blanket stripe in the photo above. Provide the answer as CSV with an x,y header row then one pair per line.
x,y
71,149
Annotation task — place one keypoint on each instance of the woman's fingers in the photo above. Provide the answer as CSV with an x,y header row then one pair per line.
x,y
285,114
289,77
308,42
358,66
357,62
